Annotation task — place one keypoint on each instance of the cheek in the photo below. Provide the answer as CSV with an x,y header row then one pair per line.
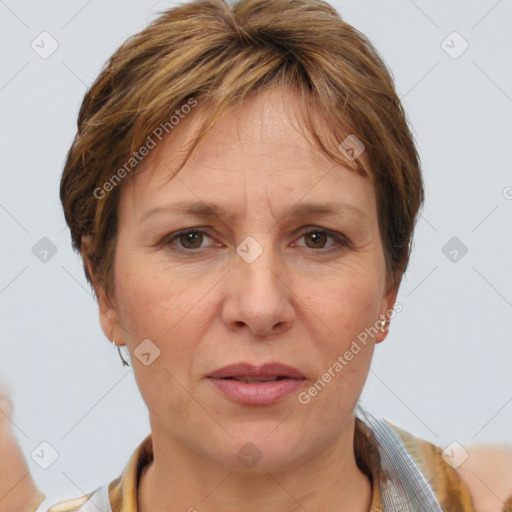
x,y
345,304
344,310
155,308
152,304
172,313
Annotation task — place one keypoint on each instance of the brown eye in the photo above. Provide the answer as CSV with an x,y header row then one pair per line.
x,y
190,242
318,239
191,239
187,240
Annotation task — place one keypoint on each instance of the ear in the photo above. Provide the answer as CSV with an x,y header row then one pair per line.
x,y
109,316
387,309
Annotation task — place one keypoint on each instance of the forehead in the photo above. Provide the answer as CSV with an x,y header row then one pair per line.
x,y
260,148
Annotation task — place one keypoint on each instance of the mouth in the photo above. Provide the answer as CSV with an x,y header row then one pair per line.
x,y
251,380
251,385
246,372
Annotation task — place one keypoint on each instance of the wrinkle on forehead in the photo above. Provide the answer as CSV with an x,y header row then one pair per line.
x,y
258,120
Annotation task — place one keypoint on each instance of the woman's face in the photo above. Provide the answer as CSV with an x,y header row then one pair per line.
x,y
251,287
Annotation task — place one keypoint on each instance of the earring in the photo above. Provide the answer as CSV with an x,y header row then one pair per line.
x,y
125,362
383,325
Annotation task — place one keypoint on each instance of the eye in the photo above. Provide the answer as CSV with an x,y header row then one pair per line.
x,y
189,239
318,237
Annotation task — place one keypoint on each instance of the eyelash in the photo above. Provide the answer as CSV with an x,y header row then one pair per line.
x,y
340,239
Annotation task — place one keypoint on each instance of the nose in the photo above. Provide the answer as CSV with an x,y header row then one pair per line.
x,y
258,299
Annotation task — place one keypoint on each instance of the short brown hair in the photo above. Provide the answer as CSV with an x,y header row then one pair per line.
x,y
221,53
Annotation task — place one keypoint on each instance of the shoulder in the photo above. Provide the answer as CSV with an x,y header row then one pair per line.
x,y
487,473
450,489
479,476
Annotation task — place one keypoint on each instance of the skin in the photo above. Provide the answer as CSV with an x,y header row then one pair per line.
x,y
17,489
302,302
487,473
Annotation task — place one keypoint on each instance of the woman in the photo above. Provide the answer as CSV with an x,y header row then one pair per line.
x,y
243,188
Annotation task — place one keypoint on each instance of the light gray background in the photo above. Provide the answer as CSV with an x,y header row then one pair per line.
x,y
443,373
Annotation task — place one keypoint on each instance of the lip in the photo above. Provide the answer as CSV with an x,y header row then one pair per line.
x,y
257,393
248,370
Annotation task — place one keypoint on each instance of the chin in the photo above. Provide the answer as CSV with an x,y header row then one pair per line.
x,y
259,449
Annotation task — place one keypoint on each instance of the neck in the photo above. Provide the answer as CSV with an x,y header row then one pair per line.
x,y
179,480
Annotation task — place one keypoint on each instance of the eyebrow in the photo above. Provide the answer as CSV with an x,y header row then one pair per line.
x,y
208,210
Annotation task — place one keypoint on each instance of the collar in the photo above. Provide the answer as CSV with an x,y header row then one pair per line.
x,y
123,491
